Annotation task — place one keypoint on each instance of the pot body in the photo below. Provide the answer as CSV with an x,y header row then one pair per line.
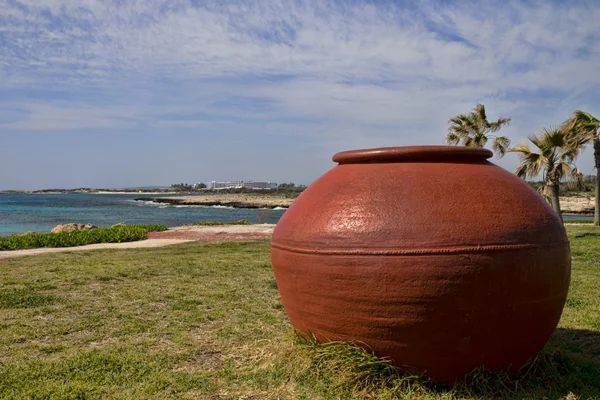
x,y
429,255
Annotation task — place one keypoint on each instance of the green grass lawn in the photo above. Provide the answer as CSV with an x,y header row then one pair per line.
x,y
205,321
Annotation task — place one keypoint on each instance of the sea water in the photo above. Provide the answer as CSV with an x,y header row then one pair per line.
x,y
42,212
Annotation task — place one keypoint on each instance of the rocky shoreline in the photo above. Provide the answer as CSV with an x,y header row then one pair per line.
x,y
569,205
225,200
577,205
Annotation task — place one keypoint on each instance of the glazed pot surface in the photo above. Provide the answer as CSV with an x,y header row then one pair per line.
x,y
429,255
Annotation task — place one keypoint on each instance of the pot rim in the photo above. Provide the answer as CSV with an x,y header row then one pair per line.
x,y
413,153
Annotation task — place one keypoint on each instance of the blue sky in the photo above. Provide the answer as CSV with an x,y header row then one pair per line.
x,y
117,93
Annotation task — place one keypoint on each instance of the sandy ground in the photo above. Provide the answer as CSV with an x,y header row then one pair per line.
x,y
258,231
138,193
98,246
177,235
577,205
90,192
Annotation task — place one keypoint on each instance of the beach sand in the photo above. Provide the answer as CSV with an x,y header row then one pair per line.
x,y
97,246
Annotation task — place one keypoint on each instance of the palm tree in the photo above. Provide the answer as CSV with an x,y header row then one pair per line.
x,y
554,160
586,128
473,130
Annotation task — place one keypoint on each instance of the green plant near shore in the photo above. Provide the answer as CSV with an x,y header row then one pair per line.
x,y
205,320
117,234
210,223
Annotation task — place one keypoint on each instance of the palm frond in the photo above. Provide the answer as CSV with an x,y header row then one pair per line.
x,y
522,148
500,145
558,148
549,141
463,125
473,128
563,169
480,112
553,137
495,126
544,190
459,126
480,140
586,119
582,127
531,163
522,171
452,138
577,177
537,140
573,147
575,139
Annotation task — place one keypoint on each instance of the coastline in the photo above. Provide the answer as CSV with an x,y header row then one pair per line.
x,y
136,193
573,206
577,205
583,206
224,200
83,192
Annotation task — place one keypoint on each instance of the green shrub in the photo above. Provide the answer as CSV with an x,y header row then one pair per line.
x,y
117,234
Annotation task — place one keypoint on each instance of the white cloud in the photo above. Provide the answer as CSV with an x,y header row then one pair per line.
x,y
359,73
42,116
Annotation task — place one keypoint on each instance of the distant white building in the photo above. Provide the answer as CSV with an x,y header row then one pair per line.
x,y
224,185
260,185
241,184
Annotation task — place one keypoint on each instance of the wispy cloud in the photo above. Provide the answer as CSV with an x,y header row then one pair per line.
x,y
335,73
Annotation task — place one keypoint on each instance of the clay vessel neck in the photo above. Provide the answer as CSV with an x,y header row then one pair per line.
x,y
451,154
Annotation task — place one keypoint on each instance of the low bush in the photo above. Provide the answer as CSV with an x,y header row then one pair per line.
x,y
117,234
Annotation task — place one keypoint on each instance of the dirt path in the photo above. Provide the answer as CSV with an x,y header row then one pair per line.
x,y
177,235
258,231
97,246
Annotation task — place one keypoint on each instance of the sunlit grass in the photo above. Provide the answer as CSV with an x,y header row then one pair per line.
x,y
205,321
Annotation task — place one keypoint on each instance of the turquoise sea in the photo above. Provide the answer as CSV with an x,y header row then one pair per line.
x,y
42,212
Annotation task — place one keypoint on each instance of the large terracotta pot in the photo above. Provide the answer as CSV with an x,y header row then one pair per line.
x,y
429,255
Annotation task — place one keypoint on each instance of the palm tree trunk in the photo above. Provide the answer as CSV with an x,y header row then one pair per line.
x,y
597,162
554,197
